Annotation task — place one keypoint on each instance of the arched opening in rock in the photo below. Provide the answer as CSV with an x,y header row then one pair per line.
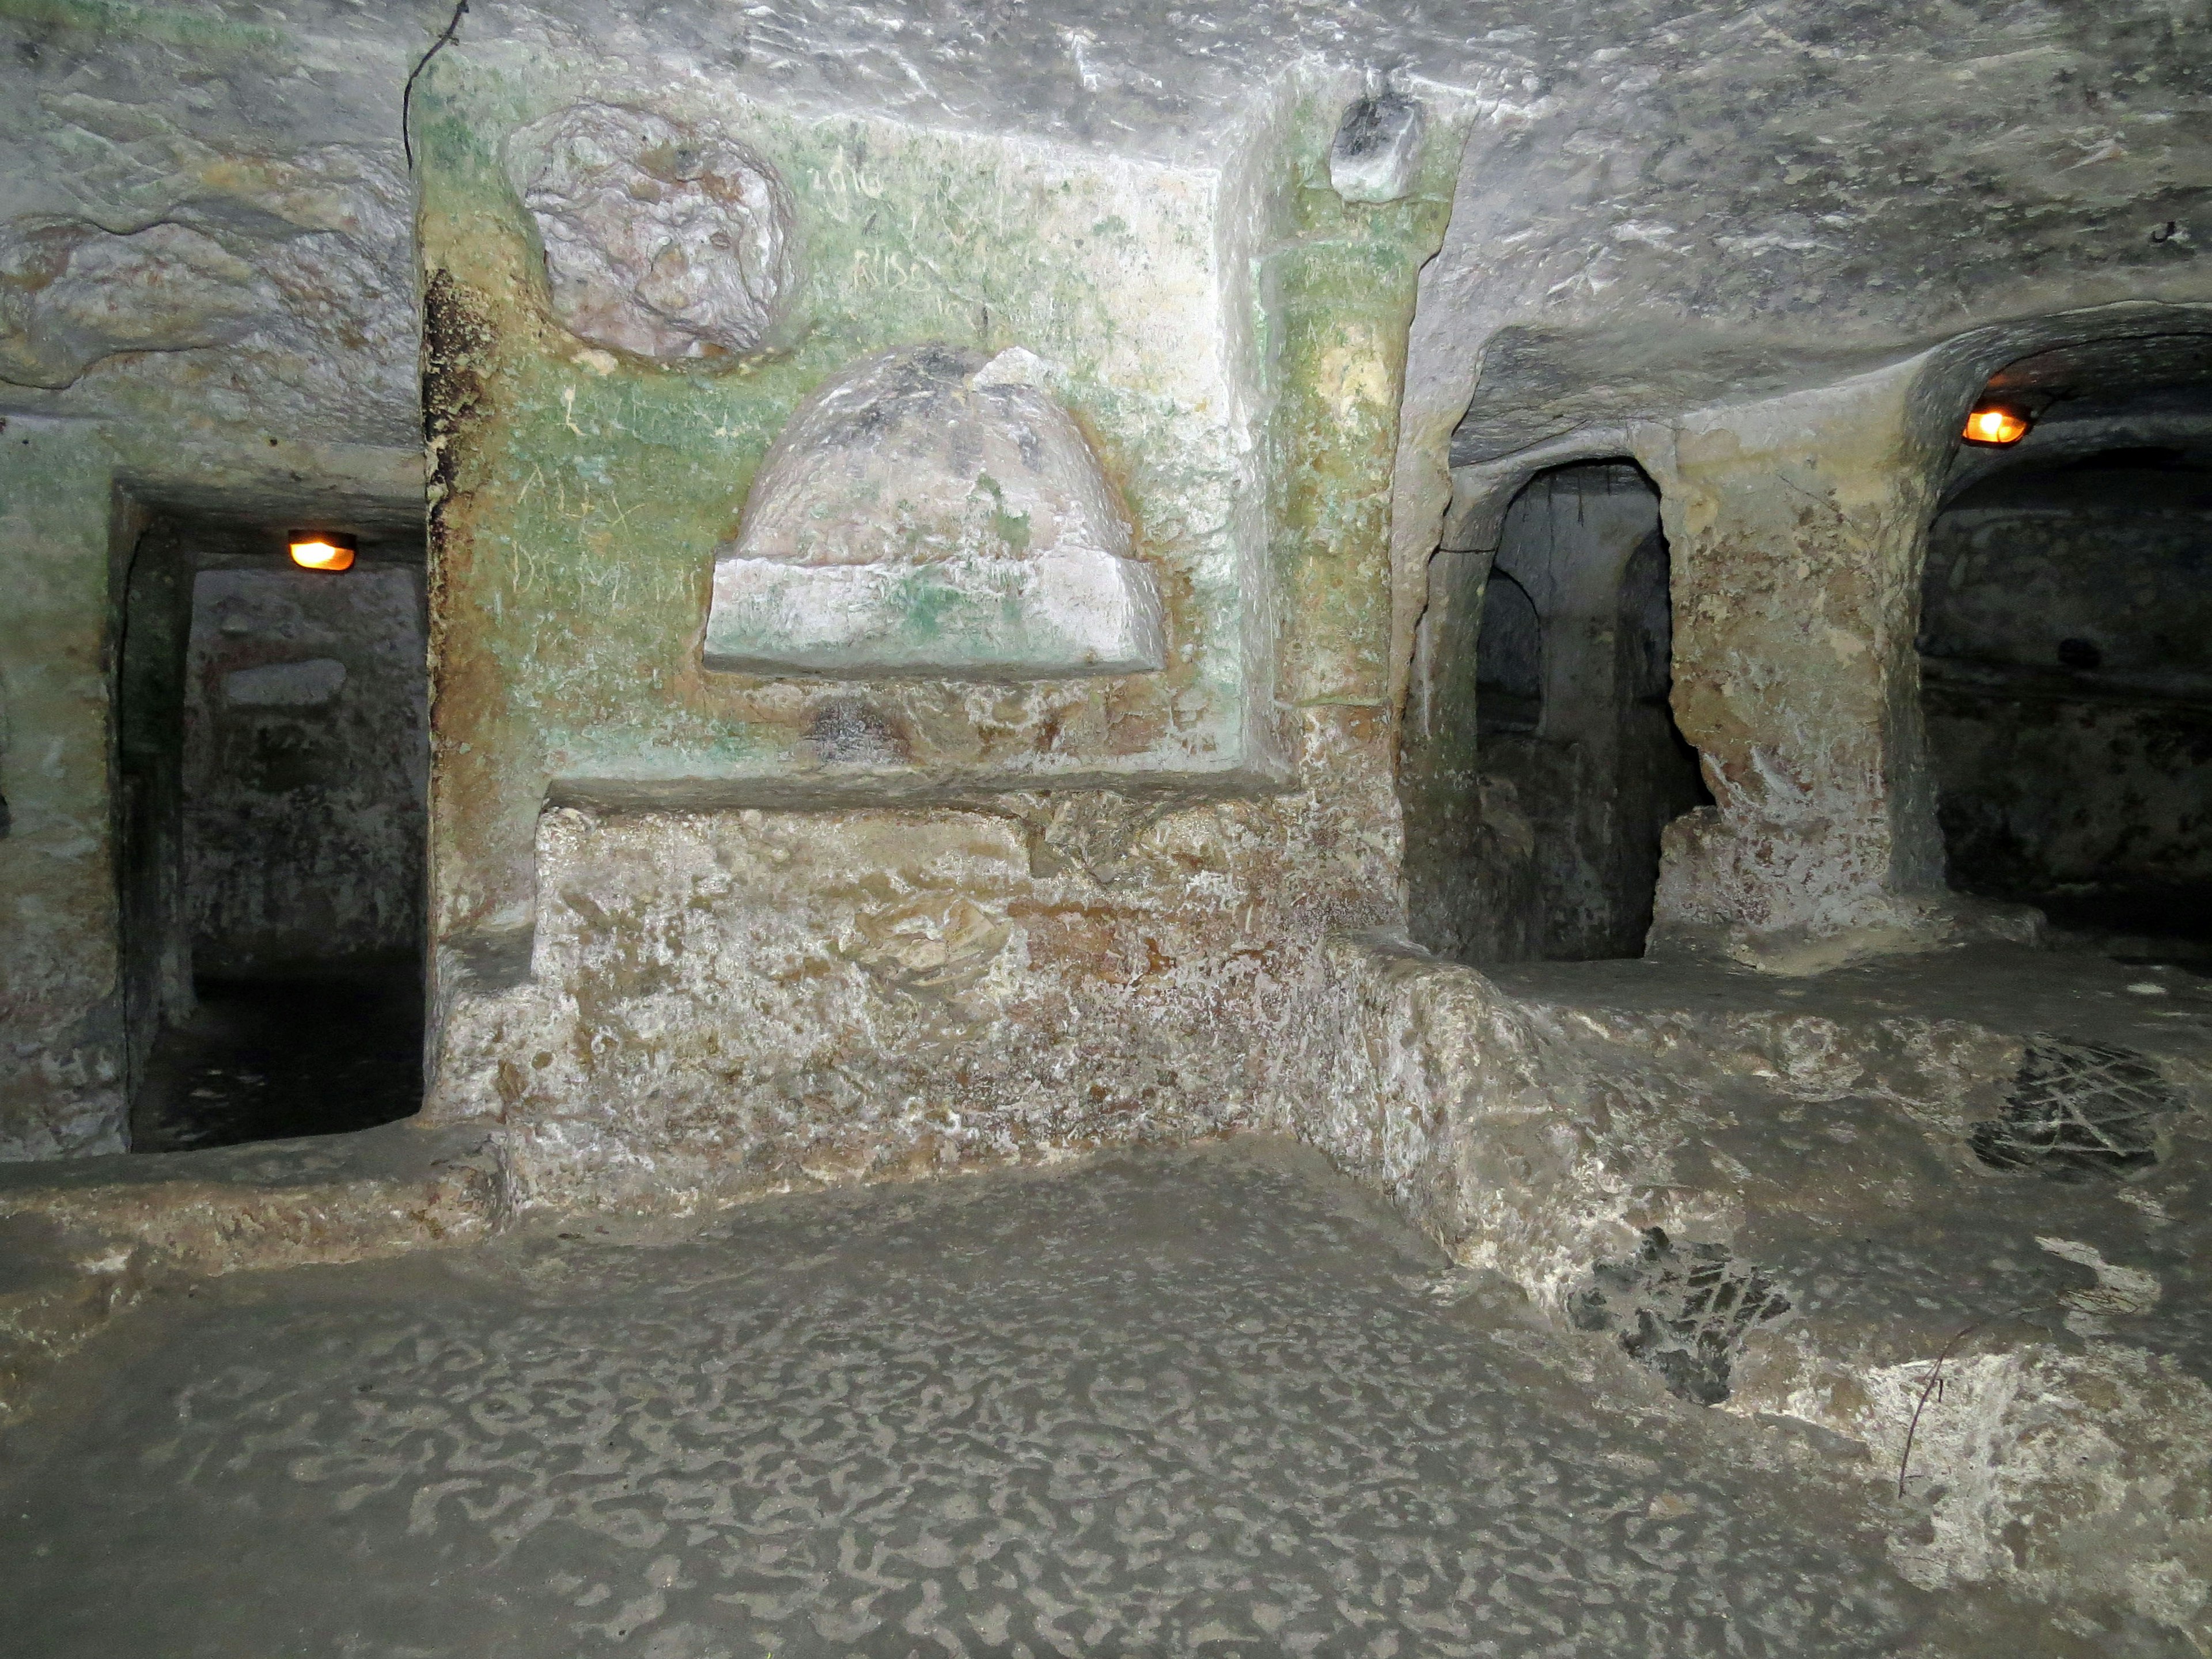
x,y
1508,661
2066,647
272,756
1544,776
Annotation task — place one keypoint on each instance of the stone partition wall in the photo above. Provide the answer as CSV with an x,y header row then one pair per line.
x,y
64,1060
1796,527
791,813
727,1001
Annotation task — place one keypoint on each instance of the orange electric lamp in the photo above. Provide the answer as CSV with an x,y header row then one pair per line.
x,y
322,550
1996,425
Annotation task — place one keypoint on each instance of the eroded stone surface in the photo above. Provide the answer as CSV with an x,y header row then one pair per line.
x,y
2079,1109
82,1240
1143,1405
1376,147
72,294
659,237
1682,1309
723,1002
62,1068
1821,1136
929,511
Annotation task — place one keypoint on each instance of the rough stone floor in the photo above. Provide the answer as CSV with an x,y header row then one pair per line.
x,y
1212,1401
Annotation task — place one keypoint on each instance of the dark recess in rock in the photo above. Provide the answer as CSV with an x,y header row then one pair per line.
x,y
848,733
1681,1309
2076,1110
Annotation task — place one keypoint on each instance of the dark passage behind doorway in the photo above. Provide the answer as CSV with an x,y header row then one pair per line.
x,y
2066,647
1544,762
1573,671
274,760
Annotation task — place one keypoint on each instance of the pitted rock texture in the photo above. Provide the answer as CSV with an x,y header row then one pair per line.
x,y
1820,1129
2079,1109
735,1001
1682,1309
81,1240
1191,1403
665,239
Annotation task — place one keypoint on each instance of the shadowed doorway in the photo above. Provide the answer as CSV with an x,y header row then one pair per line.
x,y
1573,669
273,748
1541,763
2066,647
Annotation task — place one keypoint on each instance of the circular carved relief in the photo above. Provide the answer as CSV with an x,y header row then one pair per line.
x,y
660,239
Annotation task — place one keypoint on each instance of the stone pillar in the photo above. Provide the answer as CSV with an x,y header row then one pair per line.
x,y
62,1052
1796,527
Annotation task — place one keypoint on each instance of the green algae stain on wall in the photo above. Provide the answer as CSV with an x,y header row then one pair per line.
x,y
171,24
61,1016
588,489
1343,285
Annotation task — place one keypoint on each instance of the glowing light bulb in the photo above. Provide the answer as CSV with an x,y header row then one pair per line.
x,y
320,550
1993,423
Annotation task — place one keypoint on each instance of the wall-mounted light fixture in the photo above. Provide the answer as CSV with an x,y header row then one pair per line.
x,y
1997,425
322,550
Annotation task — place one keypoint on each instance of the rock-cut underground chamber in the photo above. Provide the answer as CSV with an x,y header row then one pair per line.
x,y
2066,645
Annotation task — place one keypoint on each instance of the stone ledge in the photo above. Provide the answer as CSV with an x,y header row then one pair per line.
x,y
1789,1169
1059,617
83,1239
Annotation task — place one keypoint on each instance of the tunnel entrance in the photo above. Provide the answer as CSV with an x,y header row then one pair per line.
x,y
1572,675
2066,647
272,754
1542,758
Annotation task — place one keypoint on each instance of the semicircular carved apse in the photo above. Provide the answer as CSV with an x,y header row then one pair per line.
x,y
660,238
928,512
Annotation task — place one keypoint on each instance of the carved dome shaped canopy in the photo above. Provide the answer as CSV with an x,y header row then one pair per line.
x,y
930,512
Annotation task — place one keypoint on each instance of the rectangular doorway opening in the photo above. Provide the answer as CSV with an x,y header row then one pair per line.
x,y
1578,745
1543,763
273,773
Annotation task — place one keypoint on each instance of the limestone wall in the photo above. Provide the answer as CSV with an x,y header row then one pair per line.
x,y
62,1059
1767,263
714,913
720,1002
